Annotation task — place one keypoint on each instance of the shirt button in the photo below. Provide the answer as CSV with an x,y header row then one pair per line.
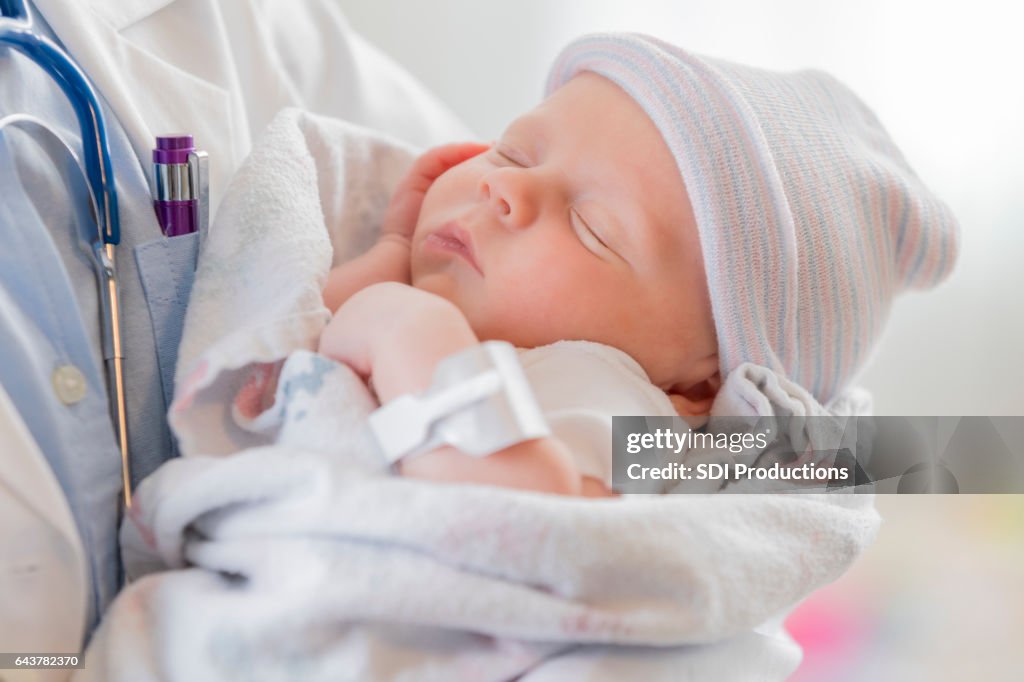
x,y
69,384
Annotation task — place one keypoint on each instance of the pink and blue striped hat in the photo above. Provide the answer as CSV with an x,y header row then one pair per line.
x,y
810,219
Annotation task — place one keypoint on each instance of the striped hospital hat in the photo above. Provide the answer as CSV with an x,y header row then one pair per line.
x,y
810,219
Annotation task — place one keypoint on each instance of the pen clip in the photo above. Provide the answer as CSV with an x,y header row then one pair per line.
x,y
199,184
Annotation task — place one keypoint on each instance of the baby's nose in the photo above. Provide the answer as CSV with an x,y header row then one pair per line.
x,y
511,198
498,202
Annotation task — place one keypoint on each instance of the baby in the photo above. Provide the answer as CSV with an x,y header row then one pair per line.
x,y
689,214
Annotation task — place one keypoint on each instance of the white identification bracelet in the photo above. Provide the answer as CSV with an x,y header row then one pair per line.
x,y
479,402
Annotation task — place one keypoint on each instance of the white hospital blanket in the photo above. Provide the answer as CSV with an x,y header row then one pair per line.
x,y
283,550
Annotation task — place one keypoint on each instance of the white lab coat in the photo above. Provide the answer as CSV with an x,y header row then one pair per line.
x,y
254,58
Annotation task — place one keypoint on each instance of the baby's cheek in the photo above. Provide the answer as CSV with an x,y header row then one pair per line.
x,y
447,198
428,208
525,315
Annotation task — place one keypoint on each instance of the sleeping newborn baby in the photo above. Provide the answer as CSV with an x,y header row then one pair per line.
x,y
658,221
559,231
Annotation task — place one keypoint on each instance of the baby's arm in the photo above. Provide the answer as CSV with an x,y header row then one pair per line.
x,y
396,335
385,261
388,259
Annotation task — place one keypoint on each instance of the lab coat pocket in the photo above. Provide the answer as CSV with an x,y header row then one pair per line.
x,y
167,267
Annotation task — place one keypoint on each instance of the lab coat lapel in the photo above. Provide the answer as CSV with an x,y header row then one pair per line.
x,y
125,74
27,477
123,13
43,580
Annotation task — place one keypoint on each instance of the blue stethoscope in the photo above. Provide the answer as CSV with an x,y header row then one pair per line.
x,y
17,31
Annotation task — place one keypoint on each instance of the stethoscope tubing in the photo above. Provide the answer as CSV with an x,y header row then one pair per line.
x,y
16,31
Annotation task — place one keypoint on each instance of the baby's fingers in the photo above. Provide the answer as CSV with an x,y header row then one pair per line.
x,y
434,162
408,197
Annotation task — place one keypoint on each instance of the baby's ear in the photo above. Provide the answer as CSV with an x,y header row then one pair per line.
x,y
693,403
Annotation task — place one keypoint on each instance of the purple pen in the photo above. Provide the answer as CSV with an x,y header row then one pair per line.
x,y
182,187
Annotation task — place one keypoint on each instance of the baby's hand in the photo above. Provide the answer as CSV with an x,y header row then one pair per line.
x,y
404,209
389,259
395,334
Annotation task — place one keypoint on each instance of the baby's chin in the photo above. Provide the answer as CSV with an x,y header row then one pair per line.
x,y
472,305
440,283
443,284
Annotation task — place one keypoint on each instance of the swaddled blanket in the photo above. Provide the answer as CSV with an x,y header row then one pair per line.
x,y
280,548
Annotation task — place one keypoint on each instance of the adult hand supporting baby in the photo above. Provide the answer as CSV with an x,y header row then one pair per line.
x,y
388,260
395,335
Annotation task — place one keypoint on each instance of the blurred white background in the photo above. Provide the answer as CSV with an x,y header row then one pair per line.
x,y
942,76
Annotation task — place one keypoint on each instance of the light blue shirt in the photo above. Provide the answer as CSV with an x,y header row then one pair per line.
x,y
49,319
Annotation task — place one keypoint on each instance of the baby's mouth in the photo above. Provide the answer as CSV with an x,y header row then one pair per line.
x,y
451,237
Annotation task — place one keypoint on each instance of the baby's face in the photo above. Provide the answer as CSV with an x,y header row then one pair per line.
x,y
575,225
